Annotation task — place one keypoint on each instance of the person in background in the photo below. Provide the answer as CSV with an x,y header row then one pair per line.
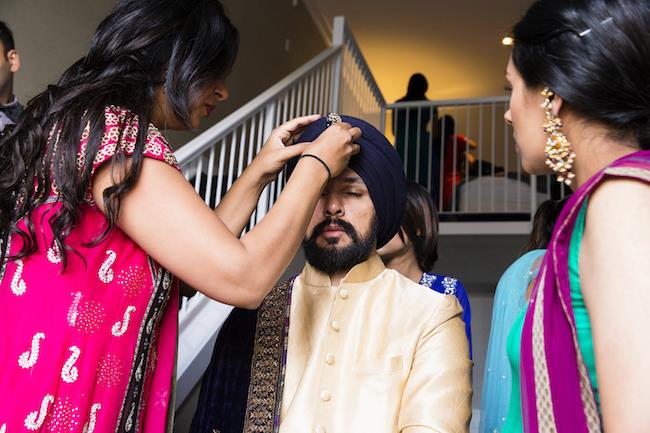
x,y
579,108
456,149
413,251
10,108
412,140
510,298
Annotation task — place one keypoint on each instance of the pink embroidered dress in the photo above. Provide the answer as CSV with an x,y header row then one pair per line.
x,y
91,349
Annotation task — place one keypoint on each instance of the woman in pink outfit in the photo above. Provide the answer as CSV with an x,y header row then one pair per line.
x,y
95,218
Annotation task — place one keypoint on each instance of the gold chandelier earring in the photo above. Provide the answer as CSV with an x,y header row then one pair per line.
x,y
559,153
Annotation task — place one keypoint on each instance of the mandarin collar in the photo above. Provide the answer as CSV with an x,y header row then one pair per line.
x,y
360,273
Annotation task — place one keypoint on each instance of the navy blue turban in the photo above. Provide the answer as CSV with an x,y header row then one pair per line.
x,y
379,166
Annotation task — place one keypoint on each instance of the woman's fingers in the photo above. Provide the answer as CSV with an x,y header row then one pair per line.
x,y
335,145
295,126
295,150
356,133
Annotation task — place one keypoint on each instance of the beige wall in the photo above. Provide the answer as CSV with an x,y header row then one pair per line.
x,y
52,34
454,43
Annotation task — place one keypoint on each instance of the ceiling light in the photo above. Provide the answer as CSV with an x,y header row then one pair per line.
x,y
508,41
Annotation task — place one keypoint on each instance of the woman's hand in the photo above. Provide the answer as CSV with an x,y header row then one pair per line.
x,y
334,146
279,148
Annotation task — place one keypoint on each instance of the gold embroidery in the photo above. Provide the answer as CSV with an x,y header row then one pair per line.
x,y
638,173
267,367
545,415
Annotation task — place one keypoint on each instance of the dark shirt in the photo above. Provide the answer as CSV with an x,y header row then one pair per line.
x,y
9,113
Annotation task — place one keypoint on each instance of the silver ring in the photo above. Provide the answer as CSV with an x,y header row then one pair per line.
x,y
332,118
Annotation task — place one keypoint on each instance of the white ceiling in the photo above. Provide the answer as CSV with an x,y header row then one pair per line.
x,y
454,43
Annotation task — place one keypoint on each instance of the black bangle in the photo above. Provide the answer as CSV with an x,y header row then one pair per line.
x,y
309,155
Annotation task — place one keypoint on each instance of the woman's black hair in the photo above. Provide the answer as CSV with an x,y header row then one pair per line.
x,y
421,225
181,45
595,54
543,223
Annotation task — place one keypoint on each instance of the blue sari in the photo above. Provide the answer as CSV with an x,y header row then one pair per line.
x,y
451,286
509,300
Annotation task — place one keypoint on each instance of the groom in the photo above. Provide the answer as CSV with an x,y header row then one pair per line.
x,y
348,345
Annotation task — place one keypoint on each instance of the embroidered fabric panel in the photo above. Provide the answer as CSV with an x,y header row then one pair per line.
x,y
544,405
122,130
269,360
131,411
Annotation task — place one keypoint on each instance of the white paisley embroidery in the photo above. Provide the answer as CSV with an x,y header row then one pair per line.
x,y
73,312
106,274
35,419
70,373
119,328
3,428
28,359
18,286
54,254
89,427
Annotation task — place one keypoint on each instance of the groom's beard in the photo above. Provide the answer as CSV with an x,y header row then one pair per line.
x,y
330,258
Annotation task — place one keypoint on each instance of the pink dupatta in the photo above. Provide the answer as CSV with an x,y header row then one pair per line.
x,y
556,392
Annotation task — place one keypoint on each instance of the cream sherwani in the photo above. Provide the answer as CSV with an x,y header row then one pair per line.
x,y
378,354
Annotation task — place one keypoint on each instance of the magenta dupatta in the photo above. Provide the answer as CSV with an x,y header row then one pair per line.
x,y
556,392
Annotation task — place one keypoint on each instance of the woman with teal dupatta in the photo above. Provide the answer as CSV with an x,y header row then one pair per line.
x,y
580,106
510,299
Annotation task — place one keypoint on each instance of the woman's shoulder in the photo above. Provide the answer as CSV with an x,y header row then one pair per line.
x,y
526,261
619,204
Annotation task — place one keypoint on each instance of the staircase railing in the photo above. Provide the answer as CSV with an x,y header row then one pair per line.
x,y
338,80
464,153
